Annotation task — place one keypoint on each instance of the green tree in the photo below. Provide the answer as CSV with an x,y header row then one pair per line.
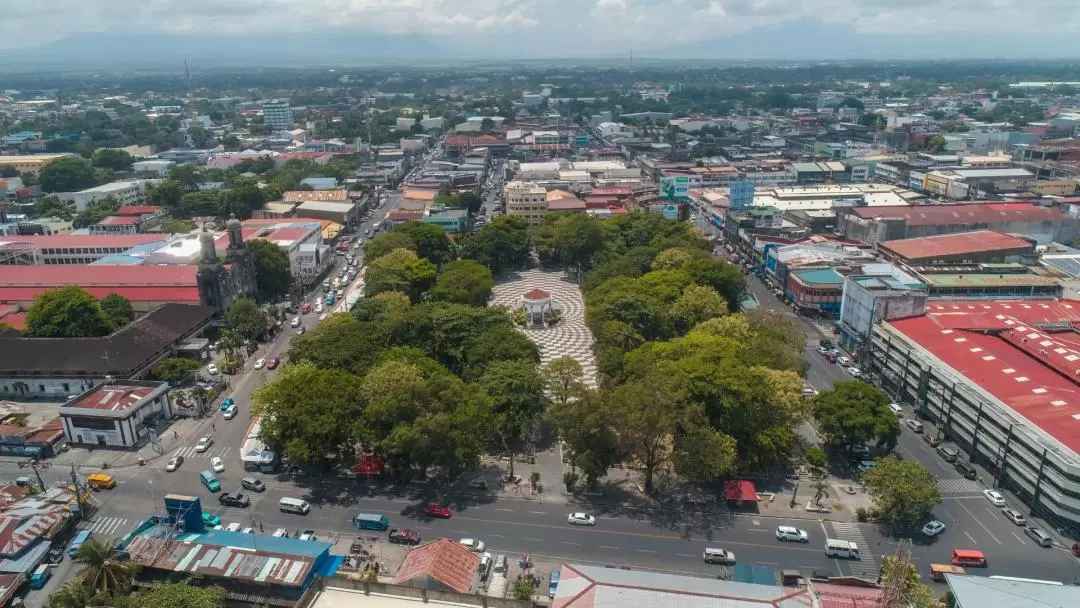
x,y
471,201
400,270
231,143
112,158
903,491
570,239
385,243
246,318
118,309
565,379
180,595
651,409
67,174
105,572
486,125
697,304
95,212
66,312
588,428
201,203
310,415
703,454
463,282
52,206
853,413
430,241
516,389
167,194
936,143
73,594
905,576
341,342
177,369
501,245
273,272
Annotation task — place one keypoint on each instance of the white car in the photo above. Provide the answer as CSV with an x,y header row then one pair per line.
x,y
994,497
1014,516
791,534
204,444
472,544
217,464
933,528
914,425
844,361
211,369
260,363
822,350
230,412
580,519
295,322
319,308
855,372
896,409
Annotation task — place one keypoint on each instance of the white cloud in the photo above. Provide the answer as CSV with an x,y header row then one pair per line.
x,y
648,23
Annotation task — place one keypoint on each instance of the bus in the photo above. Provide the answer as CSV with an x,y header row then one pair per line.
x,y
80,538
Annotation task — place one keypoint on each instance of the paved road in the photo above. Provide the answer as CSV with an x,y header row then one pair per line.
x,y
662,539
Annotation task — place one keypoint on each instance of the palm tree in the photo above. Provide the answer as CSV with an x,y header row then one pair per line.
x,y
105,573
74,594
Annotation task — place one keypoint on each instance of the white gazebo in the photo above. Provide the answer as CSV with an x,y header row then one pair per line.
x,y
537,305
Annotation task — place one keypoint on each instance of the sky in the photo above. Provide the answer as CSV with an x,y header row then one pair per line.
x,y
576,26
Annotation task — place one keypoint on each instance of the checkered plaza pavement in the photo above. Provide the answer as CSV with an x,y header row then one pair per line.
x,y
569,337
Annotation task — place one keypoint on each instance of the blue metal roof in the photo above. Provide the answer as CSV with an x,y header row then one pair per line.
x,y
260,542
825,276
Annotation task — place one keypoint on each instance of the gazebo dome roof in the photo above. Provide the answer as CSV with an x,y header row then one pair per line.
x,y
536,294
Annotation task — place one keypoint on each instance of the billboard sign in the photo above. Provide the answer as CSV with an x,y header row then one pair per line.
x,y
675,188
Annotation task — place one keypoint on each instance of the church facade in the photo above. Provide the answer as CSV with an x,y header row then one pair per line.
x,y
222,282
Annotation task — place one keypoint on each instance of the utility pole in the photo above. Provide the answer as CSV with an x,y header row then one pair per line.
x,y
37,466
81,492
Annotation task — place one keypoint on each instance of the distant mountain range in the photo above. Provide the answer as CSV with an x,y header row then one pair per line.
x,y
804,40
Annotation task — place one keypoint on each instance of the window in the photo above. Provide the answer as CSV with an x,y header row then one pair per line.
x,y
66,388
41,388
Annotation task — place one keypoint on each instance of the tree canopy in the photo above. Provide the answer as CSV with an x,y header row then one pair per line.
x,y
273,271
463,282
112,158
67,174
903,491
66,312
853,413
246,318
400,270
117,309
501,245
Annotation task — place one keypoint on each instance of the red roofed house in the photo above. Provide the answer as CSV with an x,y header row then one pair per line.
x,y
146,286
1001,379
441,562
975,247
131,219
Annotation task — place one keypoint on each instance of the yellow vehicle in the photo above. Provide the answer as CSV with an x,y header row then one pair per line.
x,y
938,571
101,481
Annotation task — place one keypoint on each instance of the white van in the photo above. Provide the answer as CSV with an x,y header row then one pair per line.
x,y
233,527
841,548
294,505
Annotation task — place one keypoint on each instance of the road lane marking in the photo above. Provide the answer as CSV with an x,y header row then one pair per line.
x,y
537,540
969,536
769,563
495,535
611,518
992,513
566,542
982,525
1018,538
757,530
684,555
644,550
537,512
505,510
607,547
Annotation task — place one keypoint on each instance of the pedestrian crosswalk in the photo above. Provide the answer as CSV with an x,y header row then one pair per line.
x,y
189,452
106,526
867,566
960,486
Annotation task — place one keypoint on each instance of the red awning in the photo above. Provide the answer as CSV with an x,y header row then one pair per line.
x,y
369,465
740,490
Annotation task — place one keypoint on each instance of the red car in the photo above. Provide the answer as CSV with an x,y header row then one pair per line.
x,y
306,308
442,511
272,362
831,358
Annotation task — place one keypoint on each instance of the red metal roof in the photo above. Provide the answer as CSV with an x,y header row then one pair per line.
x,y
60,241
964,213
113,397
536,294
137,283
1028,370
137,210
941,245
444,560
119,220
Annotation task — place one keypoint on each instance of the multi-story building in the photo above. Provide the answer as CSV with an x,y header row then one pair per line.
x,y
131,219
278,114
30,163
68,249
525,200
998,378
124,193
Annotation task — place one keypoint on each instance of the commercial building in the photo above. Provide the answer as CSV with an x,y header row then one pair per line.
x,y
453,221
68,248
30,163
977,246
961,183
525,200
873,225
153,168
999,378
278,114
873,294
131,219
54,368
124,193
985,281
117,414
